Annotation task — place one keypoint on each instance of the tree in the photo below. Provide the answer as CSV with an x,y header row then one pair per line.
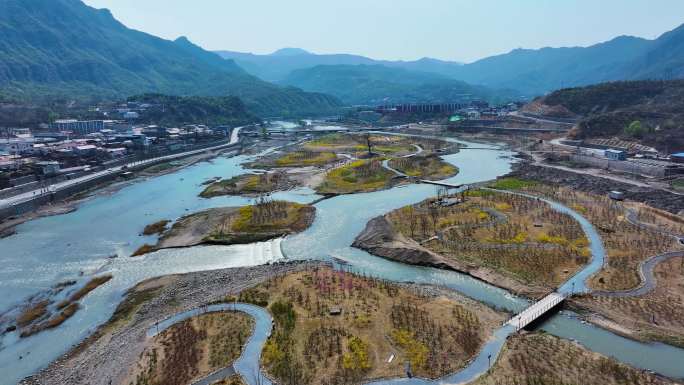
x,y
369,144
635,129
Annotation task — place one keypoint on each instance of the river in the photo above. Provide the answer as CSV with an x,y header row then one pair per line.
x,y
54,249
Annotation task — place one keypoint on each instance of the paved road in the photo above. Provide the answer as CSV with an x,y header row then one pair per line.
x,y
30,195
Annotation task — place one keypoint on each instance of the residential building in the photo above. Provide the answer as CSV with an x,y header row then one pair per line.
x,y
615,154
78,127
678,157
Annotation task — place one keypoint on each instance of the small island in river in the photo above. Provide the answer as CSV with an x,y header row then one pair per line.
x,y
267,219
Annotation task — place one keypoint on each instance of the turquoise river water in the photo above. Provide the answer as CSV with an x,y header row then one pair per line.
x,y
80,244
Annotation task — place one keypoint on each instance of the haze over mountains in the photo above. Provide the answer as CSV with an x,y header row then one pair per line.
x,y
63,48
531,72
377,85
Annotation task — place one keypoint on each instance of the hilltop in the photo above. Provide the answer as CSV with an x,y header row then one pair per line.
x,y
63,49
608,110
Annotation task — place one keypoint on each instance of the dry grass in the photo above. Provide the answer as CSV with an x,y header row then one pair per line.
x,y
90,286
534,244
193,349
626,245
356,177
156,227
142,250
265,220
310,346
425,167
33,313
233,380
304,158
658,315
53,322
248,184
544,359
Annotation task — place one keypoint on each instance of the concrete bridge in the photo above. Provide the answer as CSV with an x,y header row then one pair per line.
x,y
536,311
443,184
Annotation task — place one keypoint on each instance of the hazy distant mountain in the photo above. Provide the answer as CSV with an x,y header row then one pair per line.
x,y
530,71
378,84
64,48
278,65
544,70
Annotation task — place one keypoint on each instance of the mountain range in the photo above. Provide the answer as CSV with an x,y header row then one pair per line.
x,y
278,65
532,72
66,49
377,85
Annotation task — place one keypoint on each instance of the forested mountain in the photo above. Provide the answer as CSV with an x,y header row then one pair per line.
x,y
544,70
169,110
530,71
63,48
612,109
377,84
278,65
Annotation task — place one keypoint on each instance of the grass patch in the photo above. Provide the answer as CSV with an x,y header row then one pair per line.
x,y
33,313
305,158
265,220
678,184
248,184
90,286
358,176
156,227
142,250
424,167
510,183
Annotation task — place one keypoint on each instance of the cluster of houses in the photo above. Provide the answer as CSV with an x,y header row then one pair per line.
x,y
67,145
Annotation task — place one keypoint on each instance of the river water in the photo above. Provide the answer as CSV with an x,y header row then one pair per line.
x,y
53,249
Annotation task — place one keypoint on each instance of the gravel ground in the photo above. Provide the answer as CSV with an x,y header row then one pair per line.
x,y
106,357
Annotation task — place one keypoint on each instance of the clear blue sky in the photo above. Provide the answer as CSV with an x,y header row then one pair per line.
x,y
463,30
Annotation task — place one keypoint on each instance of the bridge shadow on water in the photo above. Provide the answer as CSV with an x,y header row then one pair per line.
x,y
541,320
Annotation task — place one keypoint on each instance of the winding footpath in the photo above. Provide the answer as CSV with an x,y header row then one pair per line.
x,y
248,365
647,267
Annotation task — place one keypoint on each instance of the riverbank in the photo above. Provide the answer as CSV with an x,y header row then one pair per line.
x,y
71,203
